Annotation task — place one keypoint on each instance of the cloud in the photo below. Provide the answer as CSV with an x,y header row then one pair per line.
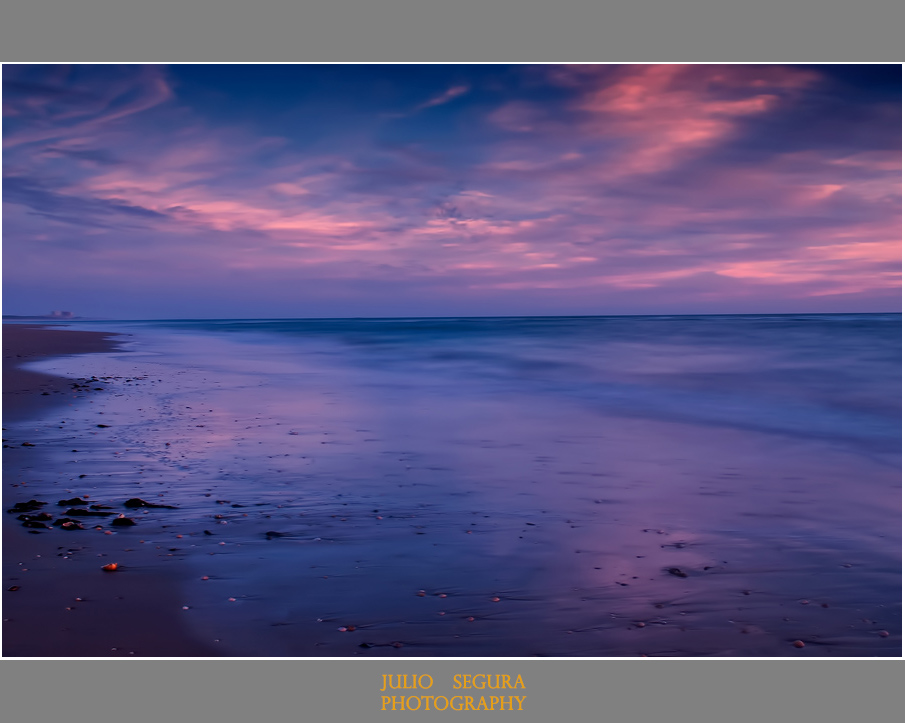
x,y
444,97
57,113
596,183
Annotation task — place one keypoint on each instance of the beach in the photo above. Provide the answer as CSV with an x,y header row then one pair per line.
x,y
595,487
55,605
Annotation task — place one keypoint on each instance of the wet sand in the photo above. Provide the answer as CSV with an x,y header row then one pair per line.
x,y
57,602
325,516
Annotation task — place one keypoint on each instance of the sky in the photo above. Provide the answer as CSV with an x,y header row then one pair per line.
x,y
262,191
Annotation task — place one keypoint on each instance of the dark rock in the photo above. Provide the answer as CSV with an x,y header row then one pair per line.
x,y
208,532
80,512
35,524
103,426
27,444
100,507
271,534
40,517
138,502
70,525
29,506
677,572
123,521
63,520
71,501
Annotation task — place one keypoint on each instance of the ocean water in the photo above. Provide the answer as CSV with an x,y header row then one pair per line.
x,y
507,486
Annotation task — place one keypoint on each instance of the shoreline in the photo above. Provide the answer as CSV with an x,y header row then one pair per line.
x,y
61,604
24,390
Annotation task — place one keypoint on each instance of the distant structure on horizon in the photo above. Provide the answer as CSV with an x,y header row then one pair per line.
x,y
51,315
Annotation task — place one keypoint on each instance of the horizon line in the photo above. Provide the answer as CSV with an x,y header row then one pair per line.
x,y
11,317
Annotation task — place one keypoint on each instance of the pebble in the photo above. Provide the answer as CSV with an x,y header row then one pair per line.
x,y
110,567
884,633
798,644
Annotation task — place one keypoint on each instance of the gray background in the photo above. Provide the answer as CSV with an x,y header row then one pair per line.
x,y
622,691
610,691
649,31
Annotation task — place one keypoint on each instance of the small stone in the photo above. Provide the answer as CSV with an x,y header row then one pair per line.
x,y
14,588
677,572
884,633
798,644
123,521
111,567
494,599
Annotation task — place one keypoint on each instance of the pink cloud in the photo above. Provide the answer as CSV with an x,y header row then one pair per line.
x,y
445,97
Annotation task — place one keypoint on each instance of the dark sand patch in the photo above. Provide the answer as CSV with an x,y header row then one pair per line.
x,y
27,393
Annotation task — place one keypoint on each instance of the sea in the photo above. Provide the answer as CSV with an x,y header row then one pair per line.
x,y
595,486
